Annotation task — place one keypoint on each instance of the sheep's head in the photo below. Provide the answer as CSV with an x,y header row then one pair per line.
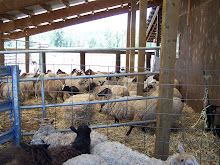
x,y
184,159
82,130
45,121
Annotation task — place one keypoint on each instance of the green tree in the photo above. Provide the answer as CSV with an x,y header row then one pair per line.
x,y
58,38
92,42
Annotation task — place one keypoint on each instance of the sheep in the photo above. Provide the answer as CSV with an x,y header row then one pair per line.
x,y
153,90
71,90
53,89
210,112
116,90
86,159
46,128
147,109
50,74
76,72
48,135
80,83
115,153
120,110
59,71
89,72
24,91
63,75
81,145
26,155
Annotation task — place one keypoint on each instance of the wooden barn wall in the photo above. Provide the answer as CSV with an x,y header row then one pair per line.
x,y
199,49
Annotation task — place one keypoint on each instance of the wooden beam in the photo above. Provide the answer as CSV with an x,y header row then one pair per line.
x,y
26,11
82,61
66,3
118,62
9,5
188,12
167,66
44,62
159,27
2,58
128,41
133,28
46,7
7,16
27,54
141,43
58,14
61,24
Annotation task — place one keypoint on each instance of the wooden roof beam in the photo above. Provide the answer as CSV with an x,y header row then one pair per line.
x,y
66,3
69,22
26,11
46,7
63,13
7,16
9,5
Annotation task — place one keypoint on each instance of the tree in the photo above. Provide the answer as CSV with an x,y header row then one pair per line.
x,y
58,38
92,42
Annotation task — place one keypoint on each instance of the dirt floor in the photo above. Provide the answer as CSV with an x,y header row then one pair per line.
x,y
205,149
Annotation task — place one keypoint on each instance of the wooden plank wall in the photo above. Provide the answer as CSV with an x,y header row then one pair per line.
x,y
199,49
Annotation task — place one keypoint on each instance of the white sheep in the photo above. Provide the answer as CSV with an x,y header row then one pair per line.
x,y
116,90
147,110
53,89
81,84
115,153
120,110
86,159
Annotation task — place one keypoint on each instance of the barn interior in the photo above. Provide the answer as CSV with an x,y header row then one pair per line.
x,y
186,39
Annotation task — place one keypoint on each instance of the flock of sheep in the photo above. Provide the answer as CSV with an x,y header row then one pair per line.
x,y
101,150
82,147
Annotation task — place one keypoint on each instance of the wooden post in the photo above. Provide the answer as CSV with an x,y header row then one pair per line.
x,y
27,54
148,54
133,23
44,62
118,61
141,43
167,65
82,60
188,12
2,59
128,41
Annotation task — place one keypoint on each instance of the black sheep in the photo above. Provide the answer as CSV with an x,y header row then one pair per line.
x,y
71,90
26,155
82,141
60,72
81,145
210,112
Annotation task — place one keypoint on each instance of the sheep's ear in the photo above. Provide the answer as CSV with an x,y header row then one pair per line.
x,y
25,146
134,79
181,149
37,120
46,146
73,129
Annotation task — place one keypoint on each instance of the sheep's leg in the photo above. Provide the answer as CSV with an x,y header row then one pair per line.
x,y
143,129
116,120
129,131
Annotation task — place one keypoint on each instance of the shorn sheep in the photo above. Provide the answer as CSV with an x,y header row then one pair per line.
x,y
115,153
81,145
26,155
147,109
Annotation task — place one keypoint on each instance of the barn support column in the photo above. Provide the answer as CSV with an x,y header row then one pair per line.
x,y
167,65
148,55
118,62
141,43
133,24
82,61
27,54
2,59
128,41
44,62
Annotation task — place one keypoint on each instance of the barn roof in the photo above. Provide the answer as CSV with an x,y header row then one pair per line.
x,y
20,18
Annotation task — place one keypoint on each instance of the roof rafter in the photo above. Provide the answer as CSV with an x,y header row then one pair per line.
x,y
66,12
9,5
66,3
69,22
46,7
8,16
26,11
